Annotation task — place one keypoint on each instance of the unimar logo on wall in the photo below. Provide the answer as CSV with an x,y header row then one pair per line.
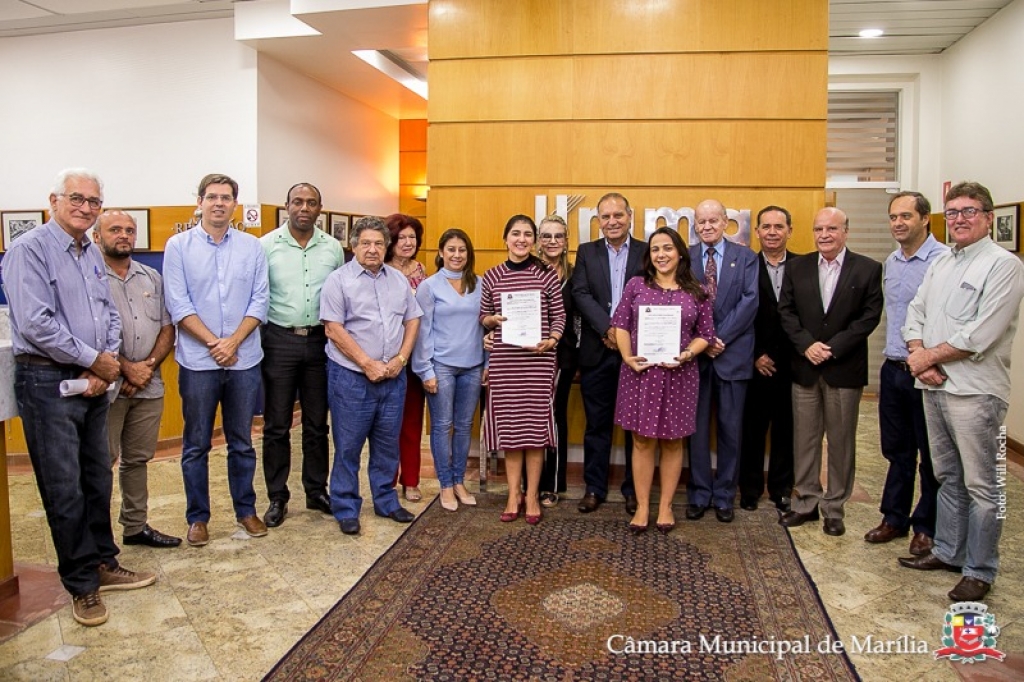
x,y
653,218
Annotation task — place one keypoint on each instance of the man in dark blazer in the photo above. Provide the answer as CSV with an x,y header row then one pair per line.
x,y
770,393
729,272
831,302
603,267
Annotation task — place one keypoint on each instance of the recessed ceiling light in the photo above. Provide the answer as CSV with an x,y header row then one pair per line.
x,y
872,33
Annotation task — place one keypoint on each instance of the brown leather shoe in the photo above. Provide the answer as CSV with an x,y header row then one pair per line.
x,y
927,562
197,534
589,503
969,589
884,533
253,526
921,544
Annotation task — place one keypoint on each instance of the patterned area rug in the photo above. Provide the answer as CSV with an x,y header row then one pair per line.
x,y
463,596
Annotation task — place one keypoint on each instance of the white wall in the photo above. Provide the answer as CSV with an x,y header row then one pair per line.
x,y
310,133
150,108
983,140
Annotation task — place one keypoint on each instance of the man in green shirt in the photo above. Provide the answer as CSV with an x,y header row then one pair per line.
x,y
299,258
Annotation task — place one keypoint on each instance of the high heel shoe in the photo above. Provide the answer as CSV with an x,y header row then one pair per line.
x,y
509,516
449,505
665,528
637,529
465,497
534,520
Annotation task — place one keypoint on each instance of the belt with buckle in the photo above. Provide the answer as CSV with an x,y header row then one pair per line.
x,y
311,330
902,364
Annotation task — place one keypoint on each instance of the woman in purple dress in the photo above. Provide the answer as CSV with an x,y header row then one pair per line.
x,y
658,401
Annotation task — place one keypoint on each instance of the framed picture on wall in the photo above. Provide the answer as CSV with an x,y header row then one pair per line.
x,y
282,216
340,222
1006,227
17,223
323,223
141,216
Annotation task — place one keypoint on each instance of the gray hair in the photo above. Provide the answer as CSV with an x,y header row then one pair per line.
x,y
369,222
61,183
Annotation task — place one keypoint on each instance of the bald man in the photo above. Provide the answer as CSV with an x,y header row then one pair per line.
x,y
831,302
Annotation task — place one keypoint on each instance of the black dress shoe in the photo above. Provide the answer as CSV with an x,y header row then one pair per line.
x,y
748,503
318,502
834,527
589,503
725,515
349,526
927,562
969,589
694,512
151,537
792,519
630,504
276,512
401,515
781,503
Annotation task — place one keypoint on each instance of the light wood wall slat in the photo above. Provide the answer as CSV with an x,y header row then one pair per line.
x,y
658,86
626,154
484,28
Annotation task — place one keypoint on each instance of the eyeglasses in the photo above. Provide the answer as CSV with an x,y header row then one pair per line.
x,y
77,200
967,213
223,198
547,236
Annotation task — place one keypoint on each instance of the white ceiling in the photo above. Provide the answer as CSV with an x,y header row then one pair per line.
x,y
911,26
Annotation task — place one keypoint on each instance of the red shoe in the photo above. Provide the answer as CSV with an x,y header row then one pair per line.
x,y
508,517
534,520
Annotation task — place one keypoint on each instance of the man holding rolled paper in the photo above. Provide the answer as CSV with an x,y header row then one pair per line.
x,y
64,326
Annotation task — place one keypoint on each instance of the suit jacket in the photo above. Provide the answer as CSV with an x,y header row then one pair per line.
x,y
853,314
769,337
592,293
735,309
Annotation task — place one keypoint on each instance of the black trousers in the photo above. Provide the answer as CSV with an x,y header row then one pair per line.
x,y
552,477
599,386
293,363
904,435
769,403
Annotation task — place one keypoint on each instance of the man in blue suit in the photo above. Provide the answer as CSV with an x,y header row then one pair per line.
x,y
729,272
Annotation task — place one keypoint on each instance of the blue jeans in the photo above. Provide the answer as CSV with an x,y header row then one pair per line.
x,y
361,409
237,393
451,419
963,433
67,444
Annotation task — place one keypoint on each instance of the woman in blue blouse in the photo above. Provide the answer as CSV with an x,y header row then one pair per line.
x,y
449,359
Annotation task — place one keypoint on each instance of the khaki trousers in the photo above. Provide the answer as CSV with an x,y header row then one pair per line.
x,y
133,426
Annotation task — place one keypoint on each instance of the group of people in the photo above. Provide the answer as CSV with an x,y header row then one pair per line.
x,y
769,340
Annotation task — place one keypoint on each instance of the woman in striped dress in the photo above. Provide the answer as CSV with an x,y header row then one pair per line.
x,y
521,379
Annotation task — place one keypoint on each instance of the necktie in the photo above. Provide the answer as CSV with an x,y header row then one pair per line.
x,y
711,274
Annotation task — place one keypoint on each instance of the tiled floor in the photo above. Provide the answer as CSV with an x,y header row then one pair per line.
x,y
230,610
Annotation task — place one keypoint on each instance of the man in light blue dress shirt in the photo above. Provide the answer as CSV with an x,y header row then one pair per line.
x,y
65,326
216,290
901,421
371,318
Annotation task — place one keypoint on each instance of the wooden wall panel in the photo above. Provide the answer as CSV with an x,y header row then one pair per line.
x,y
532,88
660,86
482,28
622,153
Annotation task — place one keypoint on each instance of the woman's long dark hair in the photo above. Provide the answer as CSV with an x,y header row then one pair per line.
x,y
684,274
520,218
468,274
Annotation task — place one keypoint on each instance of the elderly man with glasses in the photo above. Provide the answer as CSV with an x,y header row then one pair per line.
x,y
65,326
959,332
